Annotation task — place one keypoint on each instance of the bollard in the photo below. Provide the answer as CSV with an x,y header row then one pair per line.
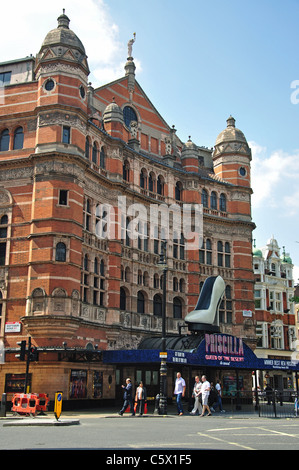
x,y
3,405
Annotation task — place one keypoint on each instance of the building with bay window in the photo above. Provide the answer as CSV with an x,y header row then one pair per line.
x,y
274,309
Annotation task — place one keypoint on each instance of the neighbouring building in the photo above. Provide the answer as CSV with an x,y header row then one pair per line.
x,y
274,312
68,154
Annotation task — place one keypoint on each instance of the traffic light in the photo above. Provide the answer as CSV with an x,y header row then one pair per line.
x,y
22,354
33,353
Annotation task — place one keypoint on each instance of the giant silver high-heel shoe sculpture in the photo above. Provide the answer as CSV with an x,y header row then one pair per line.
x,y
209,301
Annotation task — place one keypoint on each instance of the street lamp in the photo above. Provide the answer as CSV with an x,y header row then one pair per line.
x,y
163,355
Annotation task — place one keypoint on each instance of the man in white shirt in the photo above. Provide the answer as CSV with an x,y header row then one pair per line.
x,y
196,395
179,391
205,392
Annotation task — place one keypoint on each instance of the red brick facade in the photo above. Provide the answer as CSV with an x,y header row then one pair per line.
x,y
83,147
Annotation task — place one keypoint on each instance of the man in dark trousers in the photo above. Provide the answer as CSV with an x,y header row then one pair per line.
x,y
128,400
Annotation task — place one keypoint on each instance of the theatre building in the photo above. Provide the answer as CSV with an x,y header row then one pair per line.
x,y
68,150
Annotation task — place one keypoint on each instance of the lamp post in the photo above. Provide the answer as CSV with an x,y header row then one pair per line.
x,y
163,355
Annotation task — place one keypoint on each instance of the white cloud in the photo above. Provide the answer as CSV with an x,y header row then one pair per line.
x,y
90,20
275,179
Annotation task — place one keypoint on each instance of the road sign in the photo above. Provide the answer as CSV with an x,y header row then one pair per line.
x,y
58,404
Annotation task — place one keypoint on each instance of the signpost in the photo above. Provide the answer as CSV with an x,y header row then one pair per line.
x,y
58,405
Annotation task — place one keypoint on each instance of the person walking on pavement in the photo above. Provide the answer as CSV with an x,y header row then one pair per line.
x,y
179,391
219,394
128,400
197,396
205,392
140,398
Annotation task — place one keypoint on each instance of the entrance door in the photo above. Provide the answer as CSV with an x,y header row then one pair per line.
x,y
150,379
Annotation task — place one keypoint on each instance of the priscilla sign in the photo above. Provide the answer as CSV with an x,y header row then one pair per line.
x,y
215,350
224,348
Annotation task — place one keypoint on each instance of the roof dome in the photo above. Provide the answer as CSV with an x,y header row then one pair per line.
x,y
62,35
113,112
257,252
231,133
231,141
190,145
63,43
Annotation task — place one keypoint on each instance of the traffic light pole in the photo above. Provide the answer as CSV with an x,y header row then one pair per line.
x,y
27,365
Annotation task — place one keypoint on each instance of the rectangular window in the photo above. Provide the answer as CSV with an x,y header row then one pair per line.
x,y
5,78
63,196
66,134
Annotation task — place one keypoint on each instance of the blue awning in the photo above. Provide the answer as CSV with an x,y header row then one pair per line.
x,y
209,350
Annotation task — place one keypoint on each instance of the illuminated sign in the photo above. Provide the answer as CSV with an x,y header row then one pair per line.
x,y
223,348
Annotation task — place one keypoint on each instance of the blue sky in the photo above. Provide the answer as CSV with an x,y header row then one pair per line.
x,y
198,61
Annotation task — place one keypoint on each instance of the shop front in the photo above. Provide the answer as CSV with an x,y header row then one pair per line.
x,y
218,356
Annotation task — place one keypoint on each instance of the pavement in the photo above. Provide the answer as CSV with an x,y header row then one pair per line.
x,y
71,418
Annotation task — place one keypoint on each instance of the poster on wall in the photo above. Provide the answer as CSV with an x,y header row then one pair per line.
x,y
15,383
78,384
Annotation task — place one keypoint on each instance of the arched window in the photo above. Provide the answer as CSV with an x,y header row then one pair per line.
x,y
126,170
102,268
129,115
140,302
95,153
122,299
85,263
160,185
3,236
158,305
87,148
102,158
96,266
178,191
222,202
204,198
60,252
4,141
213,200
151,182
18,139
177,308
143,179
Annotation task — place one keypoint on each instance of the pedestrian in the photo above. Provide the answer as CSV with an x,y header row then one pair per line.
x,y
205,391
140,398
179,391
197,396
219,396
212,396
128,400
268,391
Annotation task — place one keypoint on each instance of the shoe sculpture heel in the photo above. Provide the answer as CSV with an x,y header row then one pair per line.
x,y
208,302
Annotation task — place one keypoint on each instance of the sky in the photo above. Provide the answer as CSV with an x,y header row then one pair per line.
x,y
199,62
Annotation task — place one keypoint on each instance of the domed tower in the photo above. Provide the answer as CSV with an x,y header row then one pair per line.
x,y
190,156
232,155
62,72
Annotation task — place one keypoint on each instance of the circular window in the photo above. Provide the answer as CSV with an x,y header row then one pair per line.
x,y
242,171
49,85
82,91
129,115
